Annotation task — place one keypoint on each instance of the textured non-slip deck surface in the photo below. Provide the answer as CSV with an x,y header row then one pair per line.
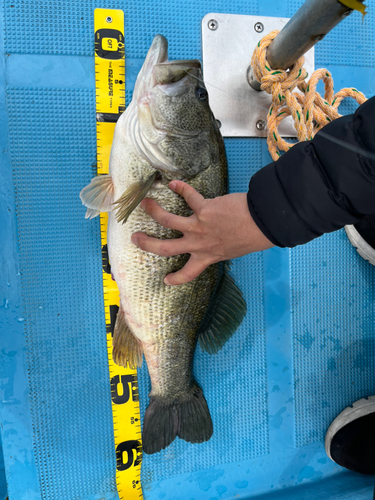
x,y
333,333
63,306
305,350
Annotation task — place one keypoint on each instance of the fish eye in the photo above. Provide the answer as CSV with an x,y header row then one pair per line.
x,y
201,93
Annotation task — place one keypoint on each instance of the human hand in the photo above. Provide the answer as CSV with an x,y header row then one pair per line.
x,y
219,229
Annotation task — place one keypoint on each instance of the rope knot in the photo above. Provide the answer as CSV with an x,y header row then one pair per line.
x,y
310,112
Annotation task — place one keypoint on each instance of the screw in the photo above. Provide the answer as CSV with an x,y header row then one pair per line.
x,y
261,125
258,27
213,24
319,37
218,123
109,19
347,13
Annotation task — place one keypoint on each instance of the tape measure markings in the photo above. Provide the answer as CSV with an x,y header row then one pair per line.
x,y
110,103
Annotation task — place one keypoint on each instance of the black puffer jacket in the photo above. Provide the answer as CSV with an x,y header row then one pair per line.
x,y
318,186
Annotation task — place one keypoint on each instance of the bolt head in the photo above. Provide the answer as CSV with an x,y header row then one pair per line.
x,y
213,24
347,13
258,27
319,37
260,125
109,19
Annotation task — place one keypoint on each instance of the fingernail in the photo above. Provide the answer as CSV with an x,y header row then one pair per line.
x,y
173,185
134,240
166,281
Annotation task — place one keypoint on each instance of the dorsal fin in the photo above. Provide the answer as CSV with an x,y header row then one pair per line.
x,y
224,315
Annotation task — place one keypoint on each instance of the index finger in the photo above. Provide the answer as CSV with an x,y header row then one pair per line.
x,y
163,217
192,197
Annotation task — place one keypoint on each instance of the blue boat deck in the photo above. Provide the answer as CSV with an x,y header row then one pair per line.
x,y
305,351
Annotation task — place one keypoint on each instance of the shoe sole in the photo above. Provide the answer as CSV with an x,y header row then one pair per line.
x,y
359,409
363,248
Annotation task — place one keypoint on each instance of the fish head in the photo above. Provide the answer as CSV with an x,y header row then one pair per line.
x,y
176,129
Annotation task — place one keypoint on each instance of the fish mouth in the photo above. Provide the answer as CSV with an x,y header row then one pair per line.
x,y
157,54
173,71
169,77
158,70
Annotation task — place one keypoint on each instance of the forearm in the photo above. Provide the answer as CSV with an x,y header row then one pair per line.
x,y
318,186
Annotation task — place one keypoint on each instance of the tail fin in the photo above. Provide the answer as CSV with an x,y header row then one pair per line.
x,y
190,420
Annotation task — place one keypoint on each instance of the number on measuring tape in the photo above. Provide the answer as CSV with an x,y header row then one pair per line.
x,y
122,387
109,44
128,453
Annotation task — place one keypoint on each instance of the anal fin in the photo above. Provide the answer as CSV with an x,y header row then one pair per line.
x,y
223,316
127,349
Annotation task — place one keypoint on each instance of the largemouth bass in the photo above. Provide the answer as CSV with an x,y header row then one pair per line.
x,y
167,132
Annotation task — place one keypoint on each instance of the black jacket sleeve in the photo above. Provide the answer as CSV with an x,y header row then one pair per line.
x,y
318,186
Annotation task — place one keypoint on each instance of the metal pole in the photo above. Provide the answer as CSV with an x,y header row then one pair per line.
x,y
309,25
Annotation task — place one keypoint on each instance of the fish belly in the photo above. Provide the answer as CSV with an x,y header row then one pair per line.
x,y
164,319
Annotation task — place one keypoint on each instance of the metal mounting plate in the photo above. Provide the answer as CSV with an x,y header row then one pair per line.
x,y
228,42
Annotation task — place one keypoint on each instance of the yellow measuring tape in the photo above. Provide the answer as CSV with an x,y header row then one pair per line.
x,y
110,103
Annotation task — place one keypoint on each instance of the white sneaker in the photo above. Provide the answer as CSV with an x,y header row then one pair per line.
x,y
350,439
362,237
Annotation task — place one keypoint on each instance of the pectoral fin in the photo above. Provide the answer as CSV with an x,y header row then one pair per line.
x,y
228,308
127,349
97,196
132,197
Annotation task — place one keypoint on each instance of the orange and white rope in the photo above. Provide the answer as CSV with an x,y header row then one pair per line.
x,y
309,110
